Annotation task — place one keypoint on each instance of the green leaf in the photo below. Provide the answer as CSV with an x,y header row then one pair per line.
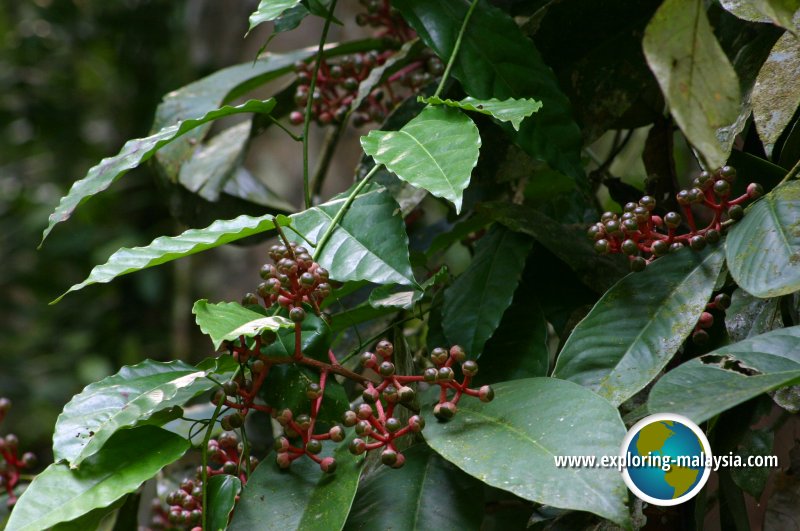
x,y
763,249
130,397
496,60
780,12
137,151
301,498
436,151
168,248
518,348
511,442
475,303
509,110
211,166
369,243
427,493
226,321
697,80
774,100
568,242
637,326
706,386
222,492
744,9
750,316
270,10
128,459
392,296
315,339
753,480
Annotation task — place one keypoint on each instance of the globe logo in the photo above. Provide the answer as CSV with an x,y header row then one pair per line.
x,y
668,459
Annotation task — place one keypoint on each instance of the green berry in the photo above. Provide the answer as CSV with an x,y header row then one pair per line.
x,y
700,337
712,236
629,247
389,457
445,374
722,187
444,411
363,427
698,243
629,207
386,369
368,359
384,349
357,447
638,264
613,227
754,190
349,418
337,434
297,314
675,247
660,247
469,368
370,395
648,202
390,394
728,173
364,411
430,374
672,219
630,225
393,424
416,423
486,393
231,388
458,353
250,299
405,394
683,197
439,355
607,216
736,212
303,421
602,246
313,391
313,446
328,465
722,301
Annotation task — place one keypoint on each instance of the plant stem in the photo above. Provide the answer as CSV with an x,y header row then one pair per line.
x,y
279,124
340,214
792,173
204,453
309,103
332,137
456,47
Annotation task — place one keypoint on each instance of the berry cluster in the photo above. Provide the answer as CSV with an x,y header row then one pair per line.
x,y
298,284
644,236
185,505
12,463
338,80
721,303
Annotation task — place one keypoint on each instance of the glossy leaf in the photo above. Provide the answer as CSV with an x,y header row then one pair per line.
x,y
568,242
753,480
301,498
123,400
744,9
496,60
475,303
779,12
270,10
436,151
222,492
427,493
510,443
639,324
706,386
697,80
226,321
369,243
391,296
763,249
128,459
137,151
509,110
774,100
168,248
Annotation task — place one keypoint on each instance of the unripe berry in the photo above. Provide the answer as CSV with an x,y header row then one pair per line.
x,y
698,243
672,219
405,394
722,301
284,416
400,461
250,299
337,434
281,444
283,460
29,460
230,467
706,320
712,236
296,118
328,465
349,418
648,202
722,187
630,225
386,369
602,246
700,337
5,405
728,173
390,394
439,356
369,360
469,368
613,227
683,197
297,314
445,374
363,428
486,393
357,447
393,424
416,423
235,420
629,247
384,349
307,280
258,366
430,374
594,232
364,411
313,391
638,264
313,446
630,206
303,421
445,410
458,353
389,457
228,440
607,216
754,190
675,247
660,247
370,395
736,212
231,388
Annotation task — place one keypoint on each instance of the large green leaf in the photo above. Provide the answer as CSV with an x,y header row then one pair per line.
x,y
496,60
427,493
637,326
750,316
226,321
301,498
222,492
780,12
706,386
123,400
436,151
128,459
509,110
568,242
369,243
168,248
270,10
511,443
763,249
695,76
744,9
774,100
137,151
475,303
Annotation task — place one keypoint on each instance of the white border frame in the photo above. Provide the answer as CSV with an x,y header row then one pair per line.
x,y
700,435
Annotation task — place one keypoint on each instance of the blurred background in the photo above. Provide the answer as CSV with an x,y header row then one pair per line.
x,y
77,79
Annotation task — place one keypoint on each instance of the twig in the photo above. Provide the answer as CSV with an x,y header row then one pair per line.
x,y
456,47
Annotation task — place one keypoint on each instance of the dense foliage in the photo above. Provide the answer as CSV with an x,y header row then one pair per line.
x,y
567,215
